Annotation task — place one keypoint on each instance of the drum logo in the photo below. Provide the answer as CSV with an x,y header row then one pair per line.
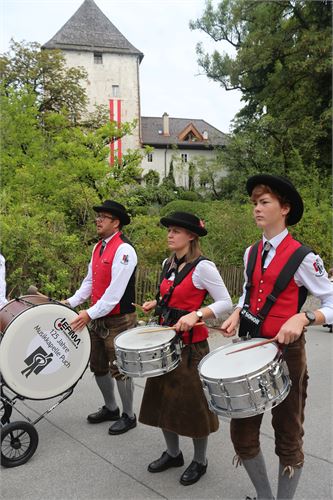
x,y
62,325
37,361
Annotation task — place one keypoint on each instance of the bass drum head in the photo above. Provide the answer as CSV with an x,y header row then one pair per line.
x,y
220,365
141,338
40,355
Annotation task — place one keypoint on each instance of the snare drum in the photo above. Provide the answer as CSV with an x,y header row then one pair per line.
x,y
148,354
246,383
40,355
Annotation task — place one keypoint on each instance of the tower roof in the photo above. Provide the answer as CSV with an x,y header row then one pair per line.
x,y
90,30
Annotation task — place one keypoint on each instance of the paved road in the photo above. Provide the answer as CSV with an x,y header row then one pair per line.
x,y
76,460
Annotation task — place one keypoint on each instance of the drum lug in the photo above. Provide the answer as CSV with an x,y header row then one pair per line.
x,y
264,388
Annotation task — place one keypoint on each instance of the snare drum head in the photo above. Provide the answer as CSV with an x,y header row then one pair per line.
x,y
219,364
40,355
141,338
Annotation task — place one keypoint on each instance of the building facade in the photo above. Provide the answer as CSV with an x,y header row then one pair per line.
x,y
91,41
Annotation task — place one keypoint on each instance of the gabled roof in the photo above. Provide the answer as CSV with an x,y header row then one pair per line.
x,y
190,131
90,30
152,133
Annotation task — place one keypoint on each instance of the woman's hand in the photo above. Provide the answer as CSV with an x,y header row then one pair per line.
x,y
229,326
149,305
185,323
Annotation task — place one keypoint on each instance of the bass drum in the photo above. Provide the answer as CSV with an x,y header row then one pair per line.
x,y
41,357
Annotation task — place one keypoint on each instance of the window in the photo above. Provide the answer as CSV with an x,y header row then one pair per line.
x,y
150,157
98,58
184,157
115,91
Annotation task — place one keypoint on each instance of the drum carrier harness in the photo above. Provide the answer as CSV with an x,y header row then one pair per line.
x,y
250,324
170,315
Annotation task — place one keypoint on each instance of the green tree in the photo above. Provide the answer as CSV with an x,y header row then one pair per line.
x,y
282,65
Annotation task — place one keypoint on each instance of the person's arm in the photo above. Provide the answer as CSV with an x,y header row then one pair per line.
x,y
84,292
3,299
229,326
312,275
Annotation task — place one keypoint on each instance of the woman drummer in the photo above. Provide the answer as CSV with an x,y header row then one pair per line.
x,y
175,402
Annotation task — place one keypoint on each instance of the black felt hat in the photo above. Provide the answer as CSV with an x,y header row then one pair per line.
x,y
185,220
285,188
116,209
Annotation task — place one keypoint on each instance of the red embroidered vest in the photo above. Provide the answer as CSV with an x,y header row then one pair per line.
x,y
186,296
102,276
287,302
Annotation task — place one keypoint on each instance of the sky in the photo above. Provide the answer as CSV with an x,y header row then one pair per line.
x,y
170,78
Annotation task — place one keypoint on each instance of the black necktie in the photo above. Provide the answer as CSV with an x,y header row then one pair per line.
x,y
101,250
267,247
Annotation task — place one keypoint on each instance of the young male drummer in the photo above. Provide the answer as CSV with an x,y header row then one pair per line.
x,y
277,204
110,284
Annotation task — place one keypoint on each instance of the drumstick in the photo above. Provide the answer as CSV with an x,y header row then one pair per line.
x,y
33,290
217,328
138,306
267,341
162,328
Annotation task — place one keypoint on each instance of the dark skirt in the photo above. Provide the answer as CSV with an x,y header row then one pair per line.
x,y
176,401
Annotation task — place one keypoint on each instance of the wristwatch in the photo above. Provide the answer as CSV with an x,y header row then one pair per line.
x,y
310,316
199,314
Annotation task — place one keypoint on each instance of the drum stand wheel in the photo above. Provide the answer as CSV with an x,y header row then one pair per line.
x,y
19,441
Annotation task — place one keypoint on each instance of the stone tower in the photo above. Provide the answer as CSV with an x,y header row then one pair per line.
x,y
90,40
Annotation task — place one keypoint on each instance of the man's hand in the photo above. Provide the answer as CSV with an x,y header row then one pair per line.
x,y
229,326
80,321
292,329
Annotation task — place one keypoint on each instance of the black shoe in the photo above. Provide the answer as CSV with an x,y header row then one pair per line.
x,y
193,473
124,424
165,462
102,415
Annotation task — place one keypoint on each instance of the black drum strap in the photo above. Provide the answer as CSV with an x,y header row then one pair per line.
x,y
251,262
284,278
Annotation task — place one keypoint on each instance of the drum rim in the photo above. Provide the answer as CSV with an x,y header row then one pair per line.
x,y
144,349
252,373
51,302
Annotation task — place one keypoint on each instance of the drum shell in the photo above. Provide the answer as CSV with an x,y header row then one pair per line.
x,y
250,394
14,307
149,362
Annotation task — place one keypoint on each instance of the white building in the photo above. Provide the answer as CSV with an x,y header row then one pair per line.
x,y
90,40
180,141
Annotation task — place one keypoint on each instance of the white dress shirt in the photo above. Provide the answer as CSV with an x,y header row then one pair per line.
x,y
207,277
122,270
311,274
3,299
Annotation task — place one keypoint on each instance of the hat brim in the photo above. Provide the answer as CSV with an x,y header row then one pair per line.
x,y
283,187
171,221
122,216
